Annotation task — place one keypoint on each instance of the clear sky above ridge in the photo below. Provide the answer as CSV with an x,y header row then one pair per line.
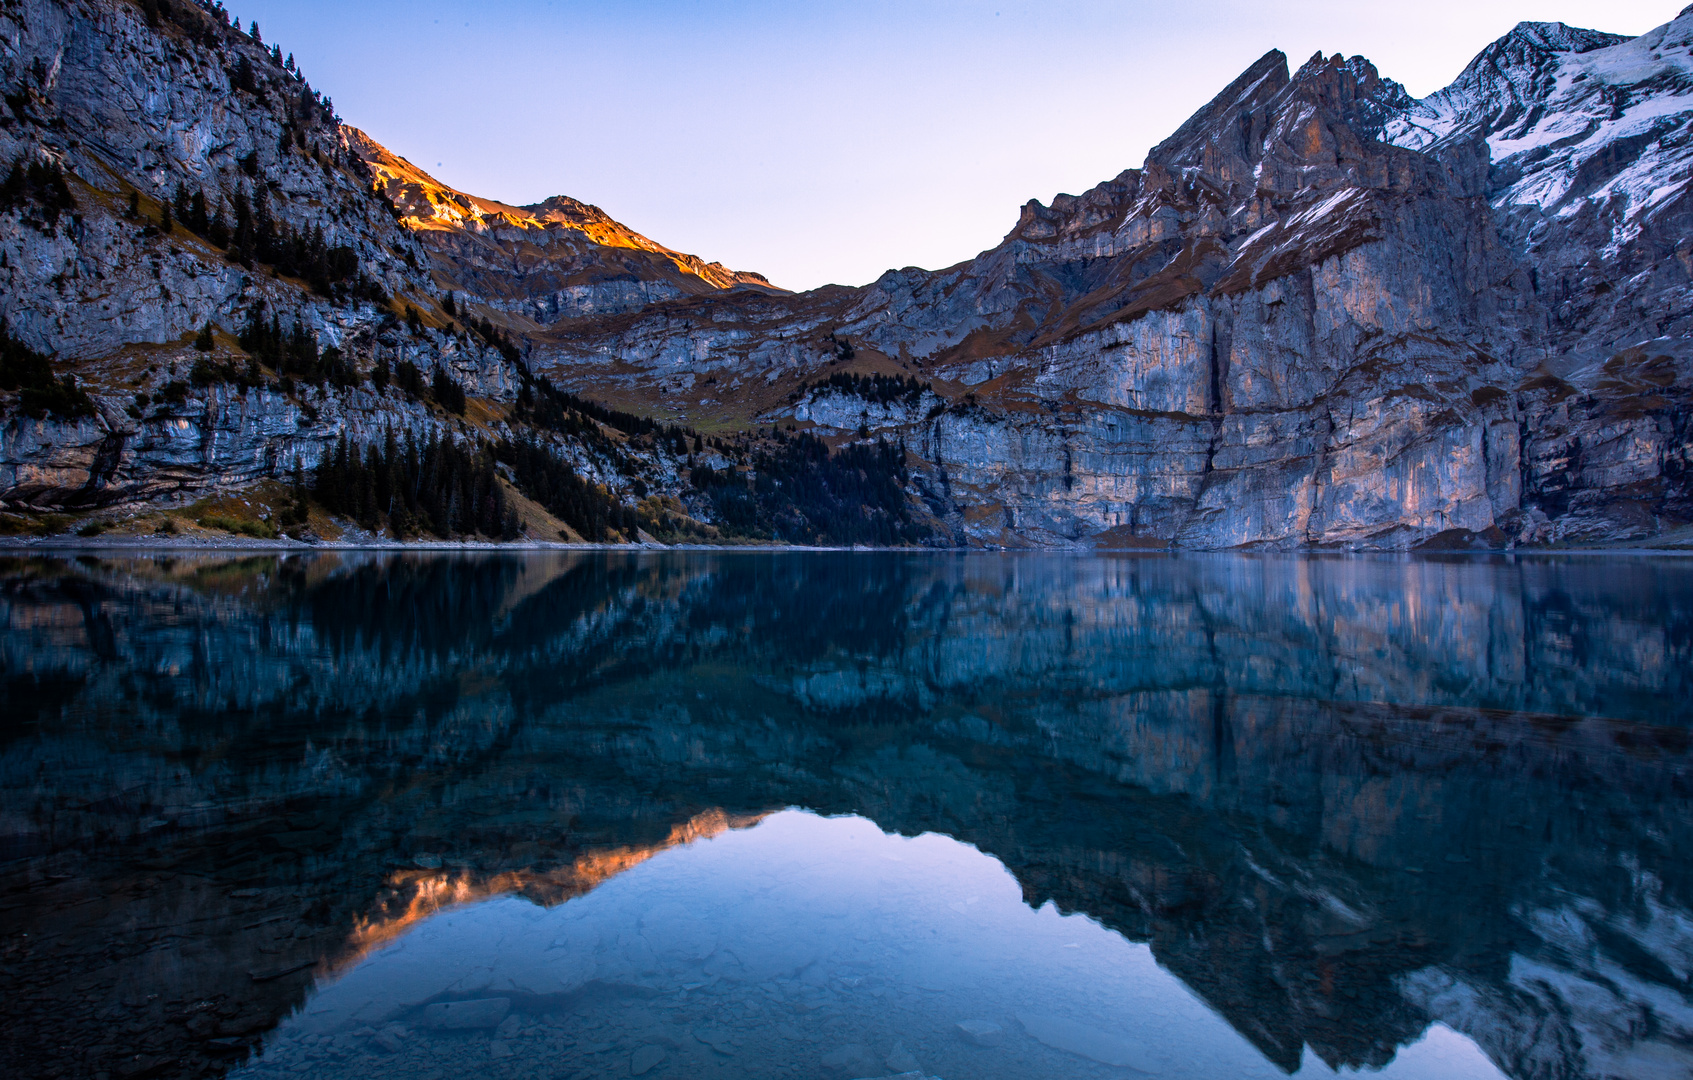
x,y
826,141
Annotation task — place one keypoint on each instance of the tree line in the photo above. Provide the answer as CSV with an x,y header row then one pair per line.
x,y
804,494
294,354
248,233
41,183
449,489
212,26
547,478
881,389
484,329
40,392
440,487
544,405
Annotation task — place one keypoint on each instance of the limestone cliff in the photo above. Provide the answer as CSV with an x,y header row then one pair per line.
x,y
1322,313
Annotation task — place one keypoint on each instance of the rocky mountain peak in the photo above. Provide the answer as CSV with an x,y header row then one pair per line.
x,y
1074,215
1529,36
1512,66
1514,71
1218,139
571,256
1352,89
1272,132
1586,134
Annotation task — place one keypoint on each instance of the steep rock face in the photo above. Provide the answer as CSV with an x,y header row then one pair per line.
x,y
133,114
1236,345
1323,313
1588,135
129,109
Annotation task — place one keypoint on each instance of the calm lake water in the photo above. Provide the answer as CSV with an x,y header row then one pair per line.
x,y
845,815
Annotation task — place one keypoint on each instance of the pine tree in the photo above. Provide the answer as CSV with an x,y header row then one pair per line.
x,y
243,79
217,229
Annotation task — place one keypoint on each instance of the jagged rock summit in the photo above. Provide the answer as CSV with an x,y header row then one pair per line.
x,y
553,260
1321,314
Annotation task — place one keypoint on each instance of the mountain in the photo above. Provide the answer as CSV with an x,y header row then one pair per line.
x,y
558,259
1322,313
1586,133
211,285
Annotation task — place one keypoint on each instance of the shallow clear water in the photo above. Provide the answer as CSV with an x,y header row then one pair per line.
x,y
846,816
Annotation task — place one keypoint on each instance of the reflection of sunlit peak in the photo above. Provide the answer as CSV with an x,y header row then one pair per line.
x,y
415,895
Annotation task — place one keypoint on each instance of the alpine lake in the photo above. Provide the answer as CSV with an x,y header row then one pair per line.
x,y
843,815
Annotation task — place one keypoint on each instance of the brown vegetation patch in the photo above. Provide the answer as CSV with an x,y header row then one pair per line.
x,y
1489,539
1124,538
1557,389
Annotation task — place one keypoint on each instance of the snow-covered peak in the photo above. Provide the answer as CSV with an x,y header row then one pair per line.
x,y
1502,83
1572,116
1552,37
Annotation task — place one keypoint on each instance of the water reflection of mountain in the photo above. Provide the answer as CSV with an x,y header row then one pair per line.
x,y
1339,798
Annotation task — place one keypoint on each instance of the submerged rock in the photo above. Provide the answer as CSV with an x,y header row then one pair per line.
x,y
980,1032
900,1060
392,1038
851,1060
1088,1042
644,1059
465,1015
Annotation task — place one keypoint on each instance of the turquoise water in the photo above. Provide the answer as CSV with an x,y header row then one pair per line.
x,y
847,815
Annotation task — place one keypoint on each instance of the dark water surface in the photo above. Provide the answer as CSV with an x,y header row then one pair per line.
x,y
845,815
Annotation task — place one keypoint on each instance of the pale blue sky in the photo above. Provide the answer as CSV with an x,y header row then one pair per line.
x,y
826,142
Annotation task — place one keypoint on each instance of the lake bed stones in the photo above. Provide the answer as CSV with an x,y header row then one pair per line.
x,y
466,1015
980,1032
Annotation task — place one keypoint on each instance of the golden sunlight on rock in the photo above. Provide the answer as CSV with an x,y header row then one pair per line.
x,y
415,895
